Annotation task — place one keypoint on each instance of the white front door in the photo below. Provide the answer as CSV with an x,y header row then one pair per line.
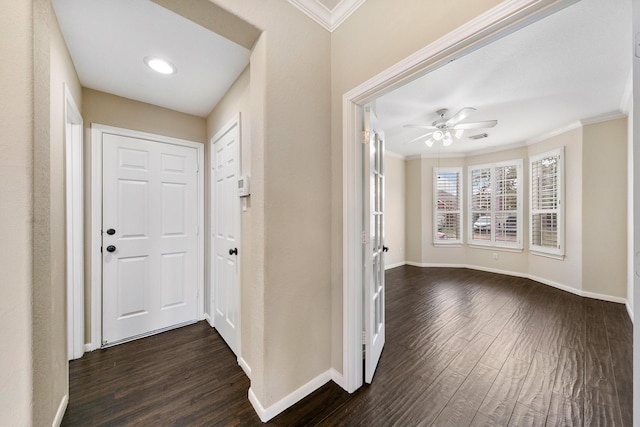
x,y
225,231
374,298
149,236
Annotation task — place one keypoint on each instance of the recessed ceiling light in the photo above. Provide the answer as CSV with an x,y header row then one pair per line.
x,y
160,65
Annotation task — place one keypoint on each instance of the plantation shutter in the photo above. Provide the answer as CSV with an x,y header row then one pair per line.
x,y
546,203
448,205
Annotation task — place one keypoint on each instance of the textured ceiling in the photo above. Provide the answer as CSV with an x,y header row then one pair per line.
x,y
570,67
108,40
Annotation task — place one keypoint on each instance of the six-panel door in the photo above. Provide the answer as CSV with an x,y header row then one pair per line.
x,y
150,243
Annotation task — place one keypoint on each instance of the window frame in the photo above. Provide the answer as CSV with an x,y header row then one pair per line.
x,y
558,251
459,211
492,212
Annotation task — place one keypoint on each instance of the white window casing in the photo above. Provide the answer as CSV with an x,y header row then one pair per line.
x,y
447,206
495,205
546,192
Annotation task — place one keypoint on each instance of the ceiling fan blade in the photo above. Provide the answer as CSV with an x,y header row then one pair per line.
x,y
421,126
460,115
420,137
476,125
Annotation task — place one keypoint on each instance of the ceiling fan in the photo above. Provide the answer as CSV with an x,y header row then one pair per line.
x,y
446,129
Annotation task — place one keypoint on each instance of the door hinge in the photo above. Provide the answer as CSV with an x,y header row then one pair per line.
x,y
364,238
364,337
366,136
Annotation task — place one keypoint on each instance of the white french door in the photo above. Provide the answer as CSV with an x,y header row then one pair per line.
x,y
149,236
374,289
225,232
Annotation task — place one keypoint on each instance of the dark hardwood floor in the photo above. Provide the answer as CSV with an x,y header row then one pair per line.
x,y
463,348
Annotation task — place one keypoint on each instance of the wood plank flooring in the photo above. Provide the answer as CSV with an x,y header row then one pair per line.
x,y
463,348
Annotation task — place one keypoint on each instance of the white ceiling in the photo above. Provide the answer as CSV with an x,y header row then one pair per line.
x,y
572,66
109,39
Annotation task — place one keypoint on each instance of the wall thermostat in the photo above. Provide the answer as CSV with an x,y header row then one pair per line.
x,y
243,186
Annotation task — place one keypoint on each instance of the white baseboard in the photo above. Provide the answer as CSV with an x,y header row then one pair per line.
x,y
397,264
209,319
542,280
88,347
289,400
604,297
337,378
245,366
445,265
629,310
416,264
57,421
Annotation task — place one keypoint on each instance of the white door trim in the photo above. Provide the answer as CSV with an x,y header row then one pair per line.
x,y
507,17
228,127
97,130
73,130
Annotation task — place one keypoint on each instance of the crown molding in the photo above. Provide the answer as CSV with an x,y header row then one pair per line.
x,y
612,115
329,19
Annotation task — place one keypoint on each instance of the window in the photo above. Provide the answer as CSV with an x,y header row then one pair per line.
x,y
546,217
495,204
447,205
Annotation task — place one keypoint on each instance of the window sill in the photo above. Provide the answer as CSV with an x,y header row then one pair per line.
x,y
513,249
448,245
559,257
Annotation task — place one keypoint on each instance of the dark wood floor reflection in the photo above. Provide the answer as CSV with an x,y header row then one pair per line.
x,y
463,348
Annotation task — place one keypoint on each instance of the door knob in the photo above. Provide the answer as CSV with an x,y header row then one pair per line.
x,y
111,232
111,248
233,251
385,249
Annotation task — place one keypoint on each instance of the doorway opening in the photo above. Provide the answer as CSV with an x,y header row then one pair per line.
x,y
495,24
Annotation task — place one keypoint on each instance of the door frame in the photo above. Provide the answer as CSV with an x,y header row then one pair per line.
x,y
74,217
235,122
95,253
506,18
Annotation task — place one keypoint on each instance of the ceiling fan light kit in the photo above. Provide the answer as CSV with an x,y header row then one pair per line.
x,y
446,130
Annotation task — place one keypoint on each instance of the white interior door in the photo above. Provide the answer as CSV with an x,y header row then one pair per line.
x,y
149,241
75,225
225,231
374,298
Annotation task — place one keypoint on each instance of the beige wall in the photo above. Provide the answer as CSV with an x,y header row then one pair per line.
x,y
413,211
290,306
567,272
595,259
378,35
236,101
394,210
106,109
112,110
16,169
604,208
52,69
